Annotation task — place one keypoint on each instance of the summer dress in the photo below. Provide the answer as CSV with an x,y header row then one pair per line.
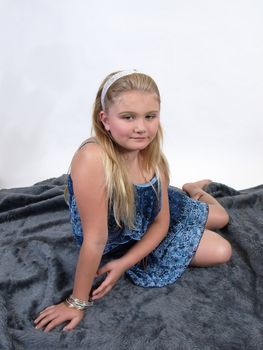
x,y
167,262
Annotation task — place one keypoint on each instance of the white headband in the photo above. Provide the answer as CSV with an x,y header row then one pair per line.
x,y
112,80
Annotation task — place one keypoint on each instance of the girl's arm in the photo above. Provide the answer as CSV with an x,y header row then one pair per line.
x,y
87,174
151,239
153,236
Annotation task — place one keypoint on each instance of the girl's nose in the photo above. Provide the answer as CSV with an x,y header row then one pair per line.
x,y
139,127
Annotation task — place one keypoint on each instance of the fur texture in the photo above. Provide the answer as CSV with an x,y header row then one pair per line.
x,y
212,308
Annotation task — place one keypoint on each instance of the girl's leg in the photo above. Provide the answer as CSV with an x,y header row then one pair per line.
x,y
212,250
217,216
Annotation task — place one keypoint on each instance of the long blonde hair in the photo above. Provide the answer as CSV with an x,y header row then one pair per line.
x,y
119,189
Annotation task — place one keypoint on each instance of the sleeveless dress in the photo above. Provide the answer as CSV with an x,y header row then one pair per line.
x,y
167,262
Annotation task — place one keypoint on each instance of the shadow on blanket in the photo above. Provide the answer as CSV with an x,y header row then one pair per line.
x,y
207,308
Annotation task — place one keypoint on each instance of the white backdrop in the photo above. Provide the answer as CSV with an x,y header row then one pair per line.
x,y
206,57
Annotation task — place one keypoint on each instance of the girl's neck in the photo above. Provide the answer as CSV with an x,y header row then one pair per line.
x,y
131,157
136,173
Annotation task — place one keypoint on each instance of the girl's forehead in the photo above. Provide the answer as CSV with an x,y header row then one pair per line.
x,y
135,98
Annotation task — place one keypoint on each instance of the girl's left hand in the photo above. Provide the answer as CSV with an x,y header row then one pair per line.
x,y
54,315
114,270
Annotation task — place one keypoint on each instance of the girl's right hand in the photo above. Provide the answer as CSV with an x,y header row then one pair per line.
x,y
54,315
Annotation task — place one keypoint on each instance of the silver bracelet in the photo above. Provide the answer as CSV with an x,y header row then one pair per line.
x,y
78,304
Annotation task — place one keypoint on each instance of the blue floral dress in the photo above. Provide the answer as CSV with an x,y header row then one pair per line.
x,y
169,260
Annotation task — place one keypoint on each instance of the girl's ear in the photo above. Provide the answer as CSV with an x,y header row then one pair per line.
x,y
104,119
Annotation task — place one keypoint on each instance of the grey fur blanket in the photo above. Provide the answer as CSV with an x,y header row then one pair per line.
x,y
212,308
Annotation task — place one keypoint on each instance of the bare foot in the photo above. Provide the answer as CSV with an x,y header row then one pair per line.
x,y
195,189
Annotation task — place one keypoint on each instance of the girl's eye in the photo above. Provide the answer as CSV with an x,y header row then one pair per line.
x,y
150,116
128,117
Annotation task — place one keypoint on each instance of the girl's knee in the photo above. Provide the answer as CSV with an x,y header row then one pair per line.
x,y
223,252
212,250
217,217
224,218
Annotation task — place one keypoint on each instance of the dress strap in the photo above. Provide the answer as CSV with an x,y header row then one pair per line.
x,y
89,140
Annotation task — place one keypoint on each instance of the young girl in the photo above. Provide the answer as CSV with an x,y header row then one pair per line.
x,y
121,205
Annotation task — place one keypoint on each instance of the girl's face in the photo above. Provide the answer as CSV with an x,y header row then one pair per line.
x,y
133,119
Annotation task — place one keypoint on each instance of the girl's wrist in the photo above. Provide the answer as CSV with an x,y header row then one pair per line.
x,y
78,304
82,296
125,263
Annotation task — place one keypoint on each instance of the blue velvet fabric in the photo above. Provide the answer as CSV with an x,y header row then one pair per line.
x,y
169,260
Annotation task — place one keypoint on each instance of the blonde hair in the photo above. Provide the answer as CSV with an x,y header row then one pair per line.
x,y
119,189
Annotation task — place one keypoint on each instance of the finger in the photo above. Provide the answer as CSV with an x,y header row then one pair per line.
x,y
48,308
57,321
40,317
72,324
103,270
45,321
43,315
103,285
101,294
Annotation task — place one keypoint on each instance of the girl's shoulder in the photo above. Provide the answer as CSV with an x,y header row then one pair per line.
x,y
89,148
90,143
88,155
